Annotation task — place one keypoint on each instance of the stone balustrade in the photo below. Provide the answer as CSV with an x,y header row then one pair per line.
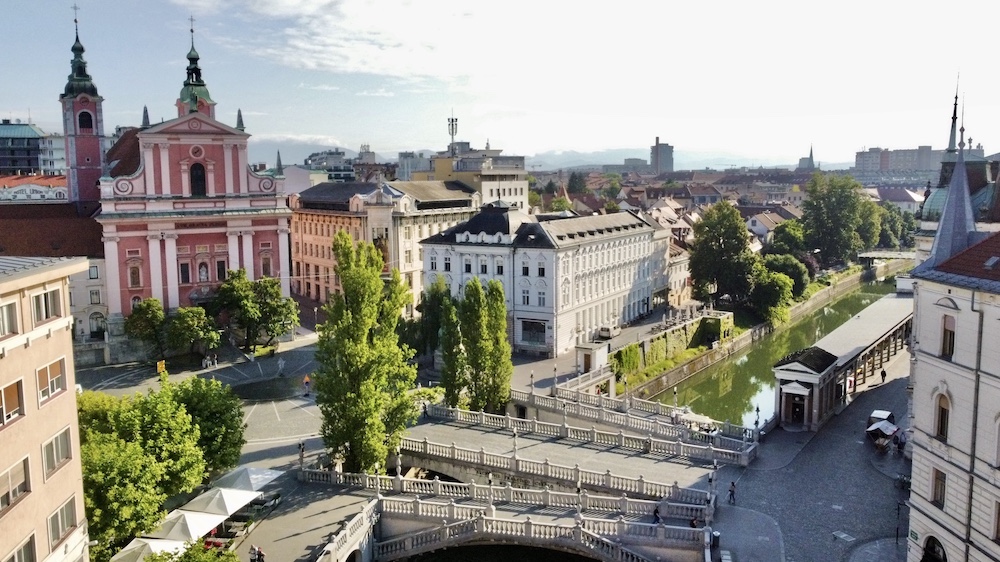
x,y
599,538
649,444
345,541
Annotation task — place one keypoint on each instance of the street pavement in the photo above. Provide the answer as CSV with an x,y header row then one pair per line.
x,y
802,488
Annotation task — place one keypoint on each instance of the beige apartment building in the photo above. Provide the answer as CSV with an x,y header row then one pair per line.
x,y
41,484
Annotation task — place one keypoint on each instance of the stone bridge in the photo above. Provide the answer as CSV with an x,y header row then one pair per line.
x,y
411,516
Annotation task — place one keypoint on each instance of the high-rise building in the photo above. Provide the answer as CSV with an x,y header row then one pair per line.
x,y
41,483
662,157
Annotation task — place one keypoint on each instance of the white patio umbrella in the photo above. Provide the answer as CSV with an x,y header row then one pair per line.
x,y
181,525
138,549
247,478
223,501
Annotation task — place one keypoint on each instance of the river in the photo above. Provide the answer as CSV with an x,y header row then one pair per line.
x,y
732,389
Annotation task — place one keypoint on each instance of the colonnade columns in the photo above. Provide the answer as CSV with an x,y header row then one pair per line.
x,y
173,290
155,266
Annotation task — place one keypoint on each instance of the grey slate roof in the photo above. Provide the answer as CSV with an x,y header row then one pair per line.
x,y
816,359
579,230
331,192
13,267
434,190
957,220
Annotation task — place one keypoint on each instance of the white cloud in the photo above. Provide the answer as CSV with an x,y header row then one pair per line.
x,y
320,87
297,138
379,93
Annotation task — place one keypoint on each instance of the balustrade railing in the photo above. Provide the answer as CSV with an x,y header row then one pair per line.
x,y
708,451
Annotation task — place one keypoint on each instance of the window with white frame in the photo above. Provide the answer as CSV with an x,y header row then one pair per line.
x,y
93,273
51,380
408,256
8,319
939,483
185,273
434,263
10,402
220,270
56,452
95,296
24,553
14,483
62,522
47,305
541,298
525,297
447,263
499,266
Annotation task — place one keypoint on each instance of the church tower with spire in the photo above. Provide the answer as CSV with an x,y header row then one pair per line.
x,y
194,95
83,127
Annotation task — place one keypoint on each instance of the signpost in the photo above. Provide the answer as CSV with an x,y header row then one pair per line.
x,y
161,367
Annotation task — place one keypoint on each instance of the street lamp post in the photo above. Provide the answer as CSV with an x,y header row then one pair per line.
x,y
315,318
532,381
675,397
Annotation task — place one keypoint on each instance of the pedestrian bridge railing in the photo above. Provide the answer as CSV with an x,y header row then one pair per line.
x,y
596,538
648,445
351,535
698,504
618,415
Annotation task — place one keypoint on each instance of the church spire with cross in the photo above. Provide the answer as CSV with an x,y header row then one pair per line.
x,y
83,125
194,96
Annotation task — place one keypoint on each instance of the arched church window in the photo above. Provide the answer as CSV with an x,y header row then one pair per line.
x,y
86,120
198,180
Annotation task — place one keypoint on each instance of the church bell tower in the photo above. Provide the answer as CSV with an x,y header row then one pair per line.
x,y
83,127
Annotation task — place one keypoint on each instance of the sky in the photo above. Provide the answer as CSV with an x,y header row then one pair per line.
x,y
760,81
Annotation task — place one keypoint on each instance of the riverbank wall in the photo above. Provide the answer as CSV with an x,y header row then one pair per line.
x,y
820,299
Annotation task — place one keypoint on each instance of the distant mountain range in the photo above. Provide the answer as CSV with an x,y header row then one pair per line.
x,y
296,152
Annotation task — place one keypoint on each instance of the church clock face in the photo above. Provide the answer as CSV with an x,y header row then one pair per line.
x,y
197,151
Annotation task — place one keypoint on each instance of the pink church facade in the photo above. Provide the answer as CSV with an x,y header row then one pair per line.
x,y
180,207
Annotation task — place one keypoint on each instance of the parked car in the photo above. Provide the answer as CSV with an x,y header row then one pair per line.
x,y
608,332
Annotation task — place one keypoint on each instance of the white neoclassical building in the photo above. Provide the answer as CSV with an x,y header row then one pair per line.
x,y
955,498
564,277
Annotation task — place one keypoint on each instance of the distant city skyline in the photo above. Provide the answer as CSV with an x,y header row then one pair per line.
x,y
756,84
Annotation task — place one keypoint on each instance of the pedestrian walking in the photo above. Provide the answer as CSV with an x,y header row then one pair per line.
x,y
656,515
215,359
260,554
305,382
253,553
732,492
883,376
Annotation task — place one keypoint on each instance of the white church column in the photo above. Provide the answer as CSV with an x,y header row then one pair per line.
x,y
284,272
165,187
155,266
111,270
227,159
234,250
173,293
248,261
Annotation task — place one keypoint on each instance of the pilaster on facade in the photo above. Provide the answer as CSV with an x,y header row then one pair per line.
x,y
173,289
246,236
155,266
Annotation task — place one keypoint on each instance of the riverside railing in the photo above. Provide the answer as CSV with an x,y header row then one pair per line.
x,y
648,444
341,544
615,412
598,538
680,503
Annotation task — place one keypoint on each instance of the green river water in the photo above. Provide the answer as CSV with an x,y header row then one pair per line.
x,y
732,389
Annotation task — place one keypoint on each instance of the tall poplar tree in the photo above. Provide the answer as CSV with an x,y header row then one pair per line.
x,y
363,376
477,342
497,386
454,377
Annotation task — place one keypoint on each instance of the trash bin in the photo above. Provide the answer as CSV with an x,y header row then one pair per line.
x,y
715,539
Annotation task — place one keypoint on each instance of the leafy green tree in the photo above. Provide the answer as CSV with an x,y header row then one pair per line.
x,y
454,375
120,492
257,307
611,207
496,387
218,413
793,268
892,227
831,216
98,412
477,342
870,223
431,312
190,326
145,323
789,238
577,183
534,199
551,187
195,552
772,293
908,230
363,374
720,253
560,204
158,422
532,180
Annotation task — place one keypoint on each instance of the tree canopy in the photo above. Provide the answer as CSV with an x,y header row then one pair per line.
x,y
454,374
560,204
831,216
551,187
257,307
190,327
534,199
195,552
218,413
772,293
869,223
364,374
477,342
788,238
577,183
720,254
496,388
793,268
146,323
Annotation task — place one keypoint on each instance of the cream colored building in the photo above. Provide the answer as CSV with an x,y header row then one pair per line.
x,y
394,216
41,485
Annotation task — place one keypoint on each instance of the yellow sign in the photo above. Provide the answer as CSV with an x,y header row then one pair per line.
x,y
161,367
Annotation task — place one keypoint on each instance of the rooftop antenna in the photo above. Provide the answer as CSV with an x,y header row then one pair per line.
x,y
452,130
